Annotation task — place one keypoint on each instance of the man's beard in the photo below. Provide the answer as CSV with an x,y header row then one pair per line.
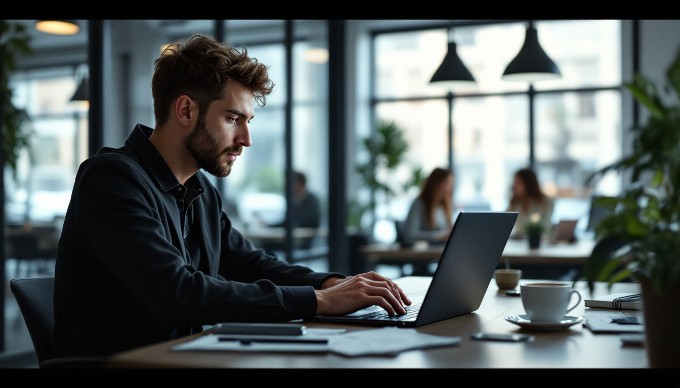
x,y
203,147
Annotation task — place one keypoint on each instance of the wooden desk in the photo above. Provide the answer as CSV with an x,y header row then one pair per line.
x,y
516,252
575,347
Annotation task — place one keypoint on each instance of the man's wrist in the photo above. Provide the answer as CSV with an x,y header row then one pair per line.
x,y
331,281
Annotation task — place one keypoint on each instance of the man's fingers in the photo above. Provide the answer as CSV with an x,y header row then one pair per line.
x,y
398,293
387,299
380,291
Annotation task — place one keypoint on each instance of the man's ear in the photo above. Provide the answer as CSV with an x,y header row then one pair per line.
x,y
185,110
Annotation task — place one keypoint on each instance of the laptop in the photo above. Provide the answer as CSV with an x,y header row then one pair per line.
x,y
564,230
465,269
597,212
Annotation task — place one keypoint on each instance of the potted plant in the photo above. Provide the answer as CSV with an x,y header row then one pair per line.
x,y
14,40
534,229
640,238
386,152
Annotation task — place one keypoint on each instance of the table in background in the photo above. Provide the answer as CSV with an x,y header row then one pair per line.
x,y
575,347
516,252
33,246
278,234
262,236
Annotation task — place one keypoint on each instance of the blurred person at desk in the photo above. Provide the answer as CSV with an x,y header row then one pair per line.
x,y
527,199
430,215
306,213
147,254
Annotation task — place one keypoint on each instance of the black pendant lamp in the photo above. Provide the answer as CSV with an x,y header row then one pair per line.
x,y
82,92
452,71
531,63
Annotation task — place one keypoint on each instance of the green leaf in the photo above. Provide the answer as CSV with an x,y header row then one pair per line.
x,y
14,40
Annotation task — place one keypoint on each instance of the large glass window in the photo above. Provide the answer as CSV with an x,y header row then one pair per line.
x,y
256,190
40,190
576,124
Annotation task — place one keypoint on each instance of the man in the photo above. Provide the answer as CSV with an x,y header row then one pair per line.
x,y
146,253
306,213
306,206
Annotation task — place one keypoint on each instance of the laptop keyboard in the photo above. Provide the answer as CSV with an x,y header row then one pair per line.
x,y
411,312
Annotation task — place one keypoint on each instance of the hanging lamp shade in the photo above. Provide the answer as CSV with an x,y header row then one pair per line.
x,y
82,92
531,63
452,70
58,27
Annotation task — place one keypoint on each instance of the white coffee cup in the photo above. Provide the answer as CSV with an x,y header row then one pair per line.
x,y
548,301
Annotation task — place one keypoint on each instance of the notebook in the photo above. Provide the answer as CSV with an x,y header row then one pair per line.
x,y
464,271
621,301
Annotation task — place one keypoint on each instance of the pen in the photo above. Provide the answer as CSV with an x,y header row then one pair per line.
x,y
631,320
248,341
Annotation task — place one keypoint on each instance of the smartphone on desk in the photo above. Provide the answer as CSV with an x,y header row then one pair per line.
x,y
504,337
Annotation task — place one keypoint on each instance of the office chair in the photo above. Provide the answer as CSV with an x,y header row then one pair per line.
x,y
26,249
34,297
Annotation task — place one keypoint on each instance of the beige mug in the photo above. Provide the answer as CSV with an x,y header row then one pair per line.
x,y
548,301
507,279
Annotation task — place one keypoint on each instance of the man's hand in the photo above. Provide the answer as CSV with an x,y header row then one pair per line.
x,y
359,291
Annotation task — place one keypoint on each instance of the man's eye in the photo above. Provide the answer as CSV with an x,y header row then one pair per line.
x,y
232,119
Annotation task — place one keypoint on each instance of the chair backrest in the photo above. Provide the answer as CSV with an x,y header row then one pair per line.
x,y
401,238
34,297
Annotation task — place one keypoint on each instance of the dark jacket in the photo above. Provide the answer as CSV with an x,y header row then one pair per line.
x,y
144,259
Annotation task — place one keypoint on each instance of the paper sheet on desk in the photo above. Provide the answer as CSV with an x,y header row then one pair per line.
x,y
388,341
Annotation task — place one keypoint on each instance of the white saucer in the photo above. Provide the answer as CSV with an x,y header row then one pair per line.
x,y
523,321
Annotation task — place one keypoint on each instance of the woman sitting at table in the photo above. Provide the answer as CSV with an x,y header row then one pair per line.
x,y
430,216
528,198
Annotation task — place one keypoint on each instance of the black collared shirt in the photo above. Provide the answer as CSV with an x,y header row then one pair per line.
x,y
143,258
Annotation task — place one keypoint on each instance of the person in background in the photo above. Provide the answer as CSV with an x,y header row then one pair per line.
x,y
306,205
430,215
306,212
527,198
147,253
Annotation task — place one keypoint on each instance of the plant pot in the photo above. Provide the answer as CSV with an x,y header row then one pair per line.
x,y
662,320
534,240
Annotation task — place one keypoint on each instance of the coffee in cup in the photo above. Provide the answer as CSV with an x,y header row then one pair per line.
x,y
548,301
507,279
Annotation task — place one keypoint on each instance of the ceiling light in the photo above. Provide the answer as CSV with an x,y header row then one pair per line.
x,y
531,63
452,71
58,27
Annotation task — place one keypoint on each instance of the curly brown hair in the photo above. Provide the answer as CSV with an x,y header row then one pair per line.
x,y
200,67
